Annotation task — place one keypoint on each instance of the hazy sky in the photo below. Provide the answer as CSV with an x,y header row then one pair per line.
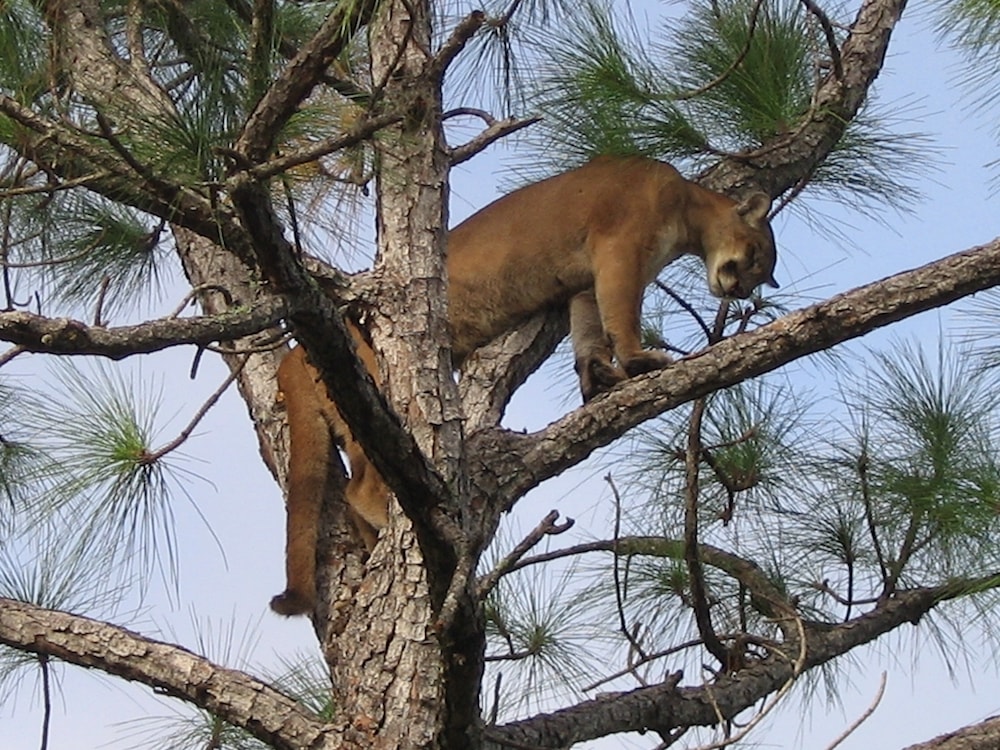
x,y
243,506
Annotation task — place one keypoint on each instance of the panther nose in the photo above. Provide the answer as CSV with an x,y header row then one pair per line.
x,y
733,289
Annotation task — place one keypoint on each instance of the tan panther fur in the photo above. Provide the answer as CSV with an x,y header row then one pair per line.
x,y
592,238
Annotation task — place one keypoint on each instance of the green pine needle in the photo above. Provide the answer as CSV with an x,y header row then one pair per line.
x,y
23,465
24,72
106,241
100,430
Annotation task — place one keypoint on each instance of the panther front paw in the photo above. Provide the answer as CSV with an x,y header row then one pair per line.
x,y
646,361
596,376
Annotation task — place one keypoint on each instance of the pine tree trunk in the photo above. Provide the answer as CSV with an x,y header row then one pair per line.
x,y
398,672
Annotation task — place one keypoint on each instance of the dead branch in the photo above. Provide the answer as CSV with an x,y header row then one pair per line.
x,y
547,527
211,401
496,129
864,716
36,333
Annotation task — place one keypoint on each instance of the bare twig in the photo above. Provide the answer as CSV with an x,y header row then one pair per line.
x,y
54,261
269,344
108,131
195,291
547,527
824,587
360,131
102,293
495,708
43,665
692,557
831,38
694,642
636,647
5,246
511,656
797,668
687,306
862,466
699,594
156,455
864,716
8,355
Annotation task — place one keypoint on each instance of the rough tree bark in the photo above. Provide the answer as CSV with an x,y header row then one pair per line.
x,y
982,736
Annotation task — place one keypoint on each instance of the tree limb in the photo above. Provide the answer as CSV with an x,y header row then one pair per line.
x,y
982,736
319,326
517,462
491,374
776,167
64,152
235,696
36,333
664,707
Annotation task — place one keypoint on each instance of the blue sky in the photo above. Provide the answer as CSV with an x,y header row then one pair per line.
x,y
243,506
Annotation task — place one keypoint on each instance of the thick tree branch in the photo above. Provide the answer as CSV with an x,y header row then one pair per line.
x,y
235,696
517,462
36,333
982,736
69,154
492,374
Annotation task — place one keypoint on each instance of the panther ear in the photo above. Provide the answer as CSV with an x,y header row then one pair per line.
x,y
754,208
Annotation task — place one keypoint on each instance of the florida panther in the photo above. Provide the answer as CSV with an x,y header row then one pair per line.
x,y
591,238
